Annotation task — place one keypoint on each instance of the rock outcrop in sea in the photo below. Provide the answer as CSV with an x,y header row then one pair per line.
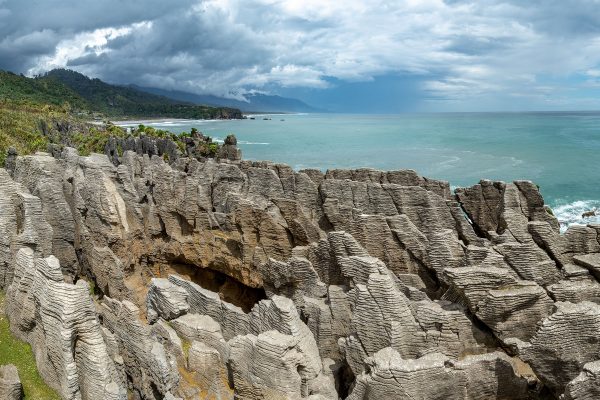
x,y
136,278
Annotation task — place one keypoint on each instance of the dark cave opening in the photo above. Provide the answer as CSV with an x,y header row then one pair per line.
x,y
229,289
344,378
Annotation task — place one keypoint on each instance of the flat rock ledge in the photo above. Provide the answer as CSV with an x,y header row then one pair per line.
x,y
200,278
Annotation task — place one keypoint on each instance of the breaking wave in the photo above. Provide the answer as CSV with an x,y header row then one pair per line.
x,y
571,213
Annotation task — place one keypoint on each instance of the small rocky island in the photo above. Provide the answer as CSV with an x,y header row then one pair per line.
x,y
154,272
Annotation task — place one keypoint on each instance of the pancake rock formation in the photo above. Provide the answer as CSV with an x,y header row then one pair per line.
x,y
10,384
134,278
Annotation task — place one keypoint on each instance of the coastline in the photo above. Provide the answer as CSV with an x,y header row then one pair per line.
x,y
448,147
126,122
133,121
568,210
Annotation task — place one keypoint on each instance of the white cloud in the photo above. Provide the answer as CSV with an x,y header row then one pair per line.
x,y
83,44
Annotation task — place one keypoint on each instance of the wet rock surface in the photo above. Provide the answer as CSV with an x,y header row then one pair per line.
x,y
235,279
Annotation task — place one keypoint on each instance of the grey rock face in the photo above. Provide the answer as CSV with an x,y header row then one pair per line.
x,y
11,157
589,261
59,321
151,369
586,386
240,279
166,300
10,384
436,377
229,150
232,320
576,291
279,354
565,342
168,149
210,370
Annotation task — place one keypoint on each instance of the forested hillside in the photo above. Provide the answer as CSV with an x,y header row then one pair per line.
x,y
77,92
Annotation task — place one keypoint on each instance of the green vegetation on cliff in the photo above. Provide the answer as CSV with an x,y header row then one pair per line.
x,y
18,88
18,353
53,110
29,127
20,127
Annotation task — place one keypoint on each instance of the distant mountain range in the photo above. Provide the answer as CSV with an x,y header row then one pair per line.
x,y
257,102
61,86
124,101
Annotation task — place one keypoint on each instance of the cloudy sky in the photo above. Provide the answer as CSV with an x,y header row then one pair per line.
x,y
351,55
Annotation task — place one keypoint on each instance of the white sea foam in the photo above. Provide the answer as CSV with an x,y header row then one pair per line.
x,y
166,123
246,142
570,213
272,115
221,140
450,161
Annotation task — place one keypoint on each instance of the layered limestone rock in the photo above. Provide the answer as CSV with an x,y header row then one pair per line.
x,y
489,376
10,384
586,386
166,299
236,279
150,369
565,342
58,319
193,146
209,371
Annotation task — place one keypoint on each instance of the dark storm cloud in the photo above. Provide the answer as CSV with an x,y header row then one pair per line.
x,y
82,15
33,28
18,51
456,50
196,49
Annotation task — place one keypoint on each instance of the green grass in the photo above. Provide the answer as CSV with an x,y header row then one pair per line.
x,y
18,353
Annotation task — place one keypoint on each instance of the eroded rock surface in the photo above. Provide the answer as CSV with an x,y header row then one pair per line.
x,y
489,376
249,280
10,384
58,319
586,385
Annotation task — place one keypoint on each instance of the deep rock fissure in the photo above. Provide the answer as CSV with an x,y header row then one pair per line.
x,y
478,231
344,379
549,252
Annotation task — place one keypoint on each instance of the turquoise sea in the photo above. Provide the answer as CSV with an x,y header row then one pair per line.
x,y
558,151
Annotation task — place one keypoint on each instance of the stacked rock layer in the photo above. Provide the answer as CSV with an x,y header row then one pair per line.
x,y
248,280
